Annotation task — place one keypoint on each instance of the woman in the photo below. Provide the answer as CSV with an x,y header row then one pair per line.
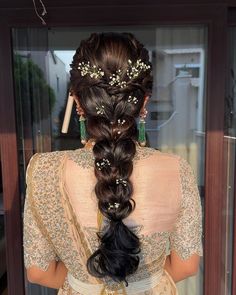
x,y
100,219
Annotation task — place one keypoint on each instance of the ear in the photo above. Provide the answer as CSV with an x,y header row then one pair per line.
x,y
145,100
78,107
146,97
75,99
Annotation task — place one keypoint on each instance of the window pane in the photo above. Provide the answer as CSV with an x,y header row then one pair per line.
x,y
179,100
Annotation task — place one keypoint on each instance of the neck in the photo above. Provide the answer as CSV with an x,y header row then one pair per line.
x,y
90,143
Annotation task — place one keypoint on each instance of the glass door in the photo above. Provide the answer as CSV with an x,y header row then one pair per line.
x,y
176,111
3,264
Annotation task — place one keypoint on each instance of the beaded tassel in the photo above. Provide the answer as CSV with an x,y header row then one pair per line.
x,y
142,134
83,136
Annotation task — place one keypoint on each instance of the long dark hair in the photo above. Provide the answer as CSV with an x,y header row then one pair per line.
x,y
117,255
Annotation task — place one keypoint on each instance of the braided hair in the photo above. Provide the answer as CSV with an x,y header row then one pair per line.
x,y
117,255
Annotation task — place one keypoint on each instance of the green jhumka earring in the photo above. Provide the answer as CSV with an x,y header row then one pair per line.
x,y
83,136
141,130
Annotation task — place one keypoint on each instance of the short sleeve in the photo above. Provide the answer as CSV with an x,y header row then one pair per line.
x,y
38,249
186,238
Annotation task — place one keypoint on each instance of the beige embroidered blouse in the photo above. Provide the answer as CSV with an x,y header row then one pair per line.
x,y
60,217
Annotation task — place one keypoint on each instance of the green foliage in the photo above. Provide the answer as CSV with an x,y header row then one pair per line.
x,y
32,90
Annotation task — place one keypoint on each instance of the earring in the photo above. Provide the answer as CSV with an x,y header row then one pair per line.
x,y
83,136
141,130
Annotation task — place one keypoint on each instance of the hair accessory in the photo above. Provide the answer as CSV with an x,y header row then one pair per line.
x,y
100,110
136,68
105,162
83,137
114,205
120,180
92,71
141,130
68,111
120,123
115,79
132,99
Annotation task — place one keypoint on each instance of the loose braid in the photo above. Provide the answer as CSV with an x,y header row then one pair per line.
x,y
117,255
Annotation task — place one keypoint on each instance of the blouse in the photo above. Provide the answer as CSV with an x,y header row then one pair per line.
x,y
61,218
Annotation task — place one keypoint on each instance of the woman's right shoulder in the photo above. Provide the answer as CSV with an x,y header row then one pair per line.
x,y
46,161
45,156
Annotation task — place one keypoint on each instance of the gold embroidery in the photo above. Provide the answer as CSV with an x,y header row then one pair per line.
x,y
84,157
48,203
38,248
99,219
186,238
46,176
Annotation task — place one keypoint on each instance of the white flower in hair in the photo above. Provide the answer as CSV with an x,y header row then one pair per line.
x,y
132,99
92,71
100,110
114,205
105,162
136,68
121,122
115,79
122,181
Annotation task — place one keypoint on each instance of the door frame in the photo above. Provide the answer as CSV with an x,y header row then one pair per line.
x,y
232,23
215,18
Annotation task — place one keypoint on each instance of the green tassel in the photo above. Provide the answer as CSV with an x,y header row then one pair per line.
x,y
83,136
142,133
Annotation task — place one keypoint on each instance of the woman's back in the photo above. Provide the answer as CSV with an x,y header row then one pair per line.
x,y
157,190
167,216
163,184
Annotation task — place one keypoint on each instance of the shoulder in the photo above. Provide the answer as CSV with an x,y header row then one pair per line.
x,y
160,157
49,157
170,161
180,160
45,163
82,157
